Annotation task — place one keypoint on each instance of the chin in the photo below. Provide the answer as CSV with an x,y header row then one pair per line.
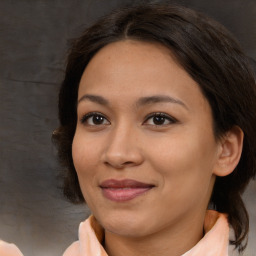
x,y
125,224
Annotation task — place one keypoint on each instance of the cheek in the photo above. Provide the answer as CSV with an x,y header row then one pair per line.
x,y
84,151
84,158
185,162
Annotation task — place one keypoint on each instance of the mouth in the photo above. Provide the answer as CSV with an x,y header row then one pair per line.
x,y
124,190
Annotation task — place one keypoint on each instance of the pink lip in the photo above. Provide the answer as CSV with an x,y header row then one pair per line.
x,y
123,190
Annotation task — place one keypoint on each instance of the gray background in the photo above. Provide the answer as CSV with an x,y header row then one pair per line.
x,y
34,37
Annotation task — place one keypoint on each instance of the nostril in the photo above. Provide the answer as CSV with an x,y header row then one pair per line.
x,y
127,163
119,165
121,157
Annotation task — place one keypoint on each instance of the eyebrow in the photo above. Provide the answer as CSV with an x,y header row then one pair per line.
x,y
94,98
159,99
141,101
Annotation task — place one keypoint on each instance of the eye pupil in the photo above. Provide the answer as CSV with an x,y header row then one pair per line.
x,y
158,120
97,119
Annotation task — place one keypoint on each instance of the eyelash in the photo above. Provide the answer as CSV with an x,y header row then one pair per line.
x,y
171,120
86,117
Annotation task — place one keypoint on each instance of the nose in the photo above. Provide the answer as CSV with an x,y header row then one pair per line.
x,y
122,149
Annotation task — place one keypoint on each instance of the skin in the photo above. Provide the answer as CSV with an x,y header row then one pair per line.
x,y
180,156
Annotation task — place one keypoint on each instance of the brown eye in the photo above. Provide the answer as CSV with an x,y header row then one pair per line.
x,y
159,119
97,119
94,119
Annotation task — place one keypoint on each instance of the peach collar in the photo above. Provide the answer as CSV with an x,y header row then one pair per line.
x,y
214,243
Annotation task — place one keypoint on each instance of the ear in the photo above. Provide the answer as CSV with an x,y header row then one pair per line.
x,y
231,145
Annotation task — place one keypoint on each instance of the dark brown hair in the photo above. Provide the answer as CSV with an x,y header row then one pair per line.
x,y
210,55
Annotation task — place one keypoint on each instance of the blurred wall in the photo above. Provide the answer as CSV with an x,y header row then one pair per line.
x,y
33,44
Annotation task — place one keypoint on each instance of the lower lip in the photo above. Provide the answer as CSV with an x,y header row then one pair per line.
x,y
123,194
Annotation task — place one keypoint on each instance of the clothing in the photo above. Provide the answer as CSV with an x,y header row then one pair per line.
x,y
214,243
7,249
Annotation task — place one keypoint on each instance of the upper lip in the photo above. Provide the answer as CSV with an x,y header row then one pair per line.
x,y
126,183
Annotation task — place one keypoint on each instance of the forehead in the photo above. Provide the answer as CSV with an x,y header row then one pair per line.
x,y
127,53
131,69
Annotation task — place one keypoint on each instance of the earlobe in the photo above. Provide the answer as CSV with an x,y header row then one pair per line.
x,y
231,146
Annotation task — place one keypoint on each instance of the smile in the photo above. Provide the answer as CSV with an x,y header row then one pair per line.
x,y
123,190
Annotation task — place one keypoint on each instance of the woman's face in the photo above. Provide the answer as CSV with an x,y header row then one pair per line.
x,y
144,148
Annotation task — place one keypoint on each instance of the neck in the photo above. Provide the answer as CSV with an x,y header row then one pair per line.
x,y
174,240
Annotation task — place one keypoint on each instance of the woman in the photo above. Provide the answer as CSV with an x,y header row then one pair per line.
x,y
157,118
